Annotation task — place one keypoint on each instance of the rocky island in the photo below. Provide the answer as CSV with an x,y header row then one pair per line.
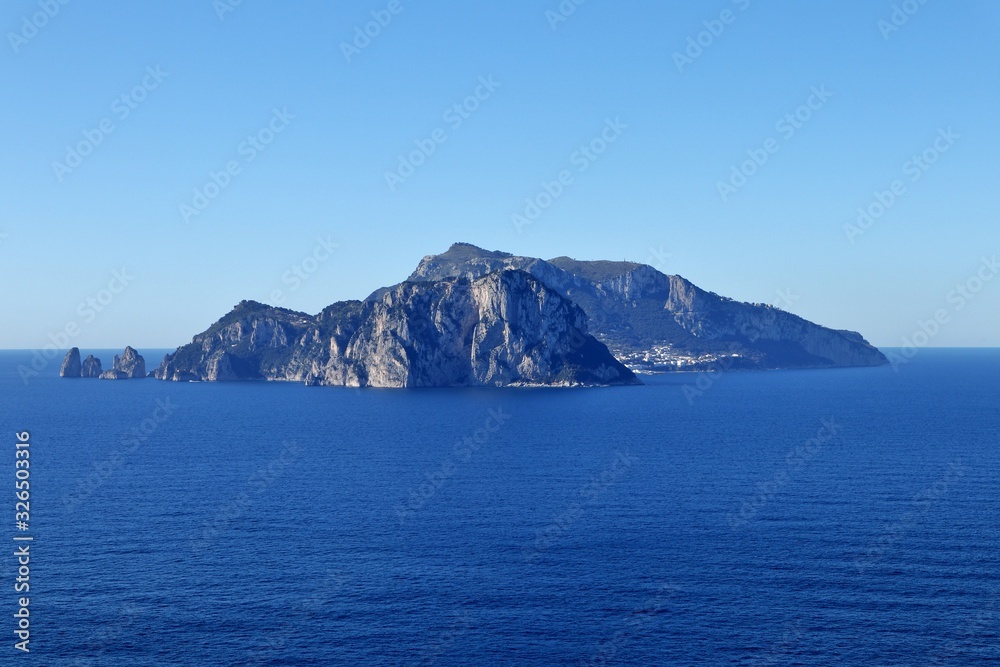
x,y
474,317
130,365
71,366
91,367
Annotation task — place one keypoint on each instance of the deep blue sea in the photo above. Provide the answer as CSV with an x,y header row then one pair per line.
x,y
827,517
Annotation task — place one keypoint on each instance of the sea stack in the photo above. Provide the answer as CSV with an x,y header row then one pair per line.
x,y
91,367
130,365
71,364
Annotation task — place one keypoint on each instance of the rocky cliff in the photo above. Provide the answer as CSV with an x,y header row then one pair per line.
x,y
502,328
657,321
91,367
71,364
129,366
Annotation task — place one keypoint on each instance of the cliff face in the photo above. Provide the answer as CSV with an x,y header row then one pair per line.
x,y
252,342
129,366
91,367
504,328
71,364
654,320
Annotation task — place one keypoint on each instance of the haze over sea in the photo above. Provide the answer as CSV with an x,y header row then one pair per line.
x,y
809,517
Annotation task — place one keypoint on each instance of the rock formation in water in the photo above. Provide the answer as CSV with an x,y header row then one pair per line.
x,y
501,329
129,366
71,364
91,367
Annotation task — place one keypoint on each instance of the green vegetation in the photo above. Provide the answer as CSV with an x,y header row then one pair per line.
x,y
595,271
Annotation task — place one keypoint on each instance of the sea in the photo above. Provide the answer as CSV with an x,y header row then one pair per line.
x,y
799,517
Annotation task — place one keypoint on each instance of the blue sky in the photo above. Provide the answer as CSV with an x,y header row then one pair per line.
x,y
309,130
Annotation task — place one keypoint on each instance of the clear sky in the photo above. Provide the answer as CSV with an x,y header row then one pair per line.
x,y
92,182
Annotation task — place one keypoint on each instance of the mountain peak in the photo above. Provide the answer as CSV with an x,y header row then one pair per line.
x,y
464,251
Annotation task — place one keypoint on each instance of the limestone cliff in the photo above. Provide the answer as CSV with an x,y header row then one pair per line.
x,y
71,364
503,328
91,367
646,317
129,366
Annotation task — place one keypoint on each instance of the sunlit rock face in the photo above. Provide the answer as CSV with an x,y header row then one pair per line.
x,y
646,317
91,367
129,366
71,364
500,329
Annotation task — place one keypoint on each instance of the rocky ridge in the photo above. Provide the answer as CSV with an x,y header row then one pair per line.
x,y
654,321
502,329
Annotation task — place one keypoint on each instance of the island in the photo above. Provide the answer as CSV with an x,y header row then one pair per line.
x,y
475,317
